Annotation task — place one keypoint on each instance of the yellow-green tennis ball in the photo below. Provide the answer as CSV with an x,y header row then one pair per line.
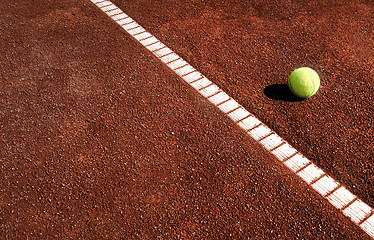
x,y
304,82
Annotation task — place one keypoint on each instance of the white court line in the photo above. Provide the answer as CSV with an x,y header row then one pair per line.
x,y
352,207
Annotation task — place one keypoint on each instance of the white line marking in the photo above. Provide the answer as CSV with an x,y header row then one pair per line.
x,y
357,211
149,41
219,98
114,12
124,21
132,25
297,162
120,17
249,123
169,58
155,46
283,152
108,8
177,64
259,132
228,106
238,114
272,141
163,52
136,30
368,226
184,70
341,197
325,185
201,83
103,4
143,36
310,173
210,91
193,76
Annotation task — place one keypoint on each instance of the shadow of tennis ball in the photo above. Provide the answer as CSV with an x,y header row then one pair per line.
x,y
281,92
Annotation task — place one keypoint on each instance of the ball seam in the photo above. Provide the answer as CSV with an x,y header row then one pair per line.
x,y
311,79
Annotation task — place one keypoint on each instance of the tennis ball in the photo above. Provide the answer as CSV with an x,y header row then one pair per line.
x,y
304,82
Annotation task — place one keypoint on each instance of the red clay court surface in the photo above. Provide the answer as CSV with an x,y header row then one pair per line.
x,y
99,140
